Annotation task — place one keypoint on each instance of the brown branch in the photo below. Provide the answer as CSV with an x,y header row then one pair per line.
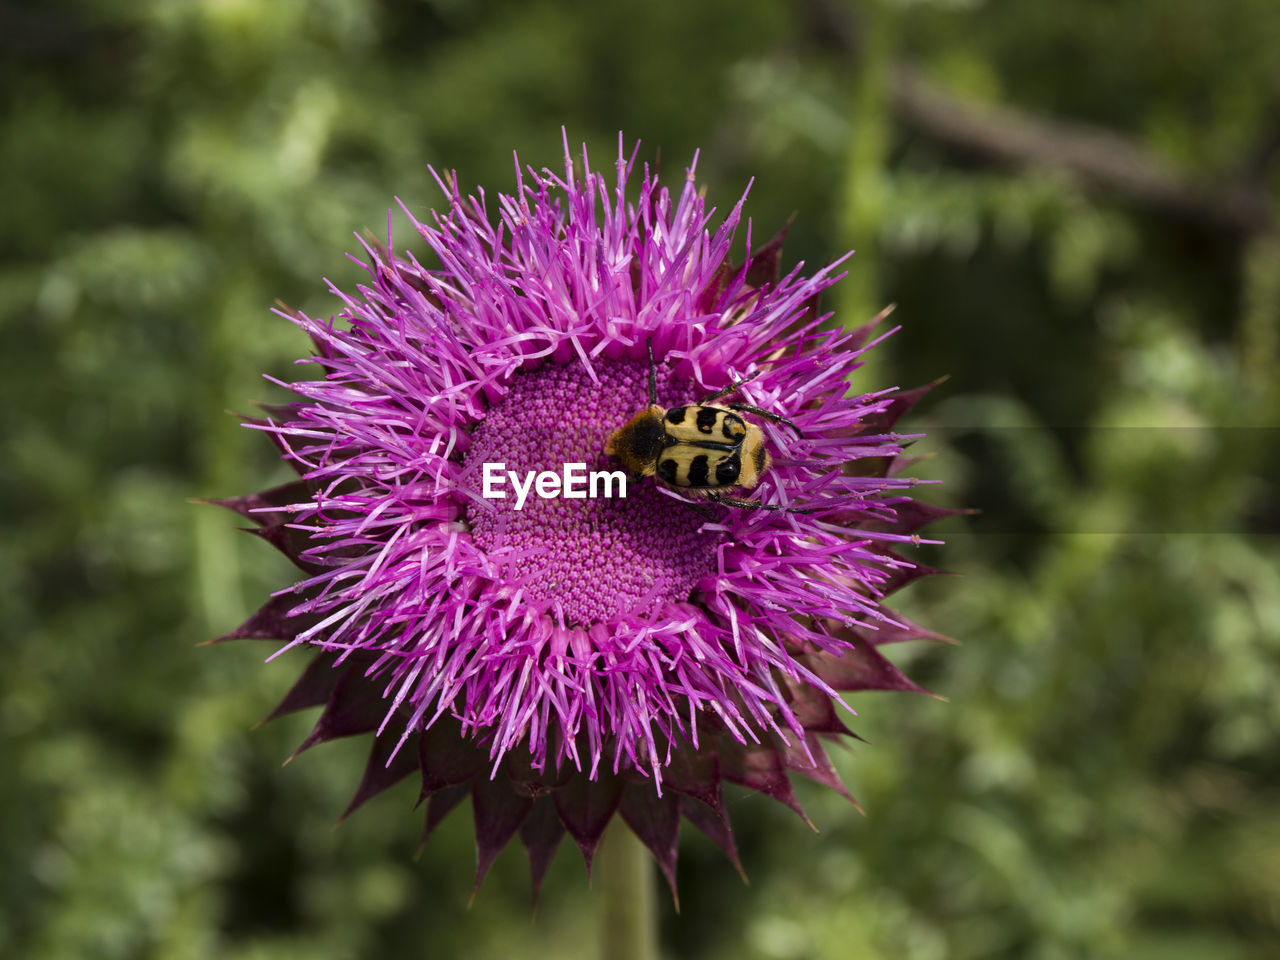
x,y
1266,148
1097,157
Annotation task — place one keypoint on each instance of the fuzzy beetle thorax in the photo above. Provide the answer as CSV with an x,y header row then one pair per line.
x,y
639,442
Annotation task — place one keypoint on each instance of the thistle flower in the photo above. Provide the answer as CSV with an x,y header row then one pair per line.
x,y
580,658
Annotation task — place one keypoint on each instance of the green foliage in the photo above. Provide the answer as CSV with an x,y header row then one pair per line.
x,y
1102,780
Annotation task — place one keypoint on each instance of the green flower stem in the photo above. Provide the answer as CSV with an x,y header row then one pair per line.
x,y
866,186
1260,326
628,920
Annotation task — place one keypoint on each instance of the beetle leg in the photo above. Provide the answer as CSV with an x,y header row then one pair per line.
x,y
763,413
725,391
700,512
752,504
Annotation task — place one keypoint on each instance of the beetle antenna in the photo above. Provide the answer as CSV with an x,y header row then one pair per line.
x,y
653,374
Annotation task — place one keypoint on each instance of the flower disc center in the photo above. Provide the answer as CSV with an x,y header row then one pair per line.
x,y
597,558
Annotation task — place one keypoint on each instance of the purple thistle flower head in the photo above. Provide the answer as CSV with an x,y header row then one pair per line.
x,y
564,658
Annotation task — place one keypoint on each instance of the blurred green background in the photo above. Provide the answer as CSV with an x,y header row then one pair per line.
x,y
1071,205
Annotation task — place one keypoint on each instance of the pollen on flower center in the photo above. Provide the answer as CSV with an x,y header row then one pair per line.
x,y
596,558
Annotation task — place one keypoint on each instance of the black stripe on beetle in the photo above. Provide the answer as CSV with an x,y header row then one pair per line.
x,y
676,414
707,418
667,470
698,471
727,471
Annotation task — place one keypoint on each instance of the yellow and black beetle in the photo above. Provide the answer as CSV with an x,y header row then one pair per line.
x,y
702,448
